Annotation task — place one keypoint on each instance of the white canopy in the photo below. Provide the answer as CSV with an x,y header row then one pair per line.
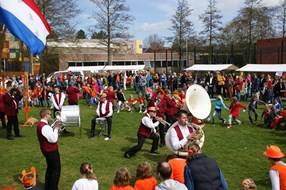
x,y
86,68
211,67
123,67
263,68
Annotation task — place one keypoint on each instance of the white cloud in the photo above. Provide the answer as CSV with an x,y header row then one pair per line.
x,y
158,26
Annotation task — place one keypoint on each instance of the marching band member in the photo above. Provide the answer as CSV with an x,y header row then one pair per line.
x,y
161,107
72,92
172,108
104,109
11,107
146,130
58,99
48,138
182,133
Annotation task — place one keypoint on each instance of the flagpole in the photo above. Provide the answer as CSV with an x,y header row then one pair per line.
x,y
31,64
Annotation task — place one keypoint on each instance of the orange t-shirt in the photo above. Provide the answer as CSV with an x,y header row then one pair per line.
x,y
145,184
141,100
178,166
131,102
127,187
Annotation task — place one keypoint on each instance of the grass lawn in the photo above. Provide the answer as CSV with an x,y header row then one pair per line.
x,y
238,150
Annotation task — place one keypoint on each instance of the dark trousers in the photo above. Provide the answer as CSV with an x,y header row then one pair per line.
x,y
162,133
73,103
211,91
53,171
2,116
141,140
13,121
109,124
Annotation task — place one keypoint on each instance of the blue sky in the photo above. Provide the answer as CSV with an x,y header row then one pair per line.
x,y
153,16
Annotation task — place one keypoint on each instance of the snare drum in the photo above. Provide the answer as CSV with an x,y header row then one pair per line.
x,y
100,120
71,115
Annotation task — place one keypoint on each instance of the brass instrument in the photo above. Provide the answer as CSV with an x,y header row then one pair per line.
x,y
198,103
164,122
58,121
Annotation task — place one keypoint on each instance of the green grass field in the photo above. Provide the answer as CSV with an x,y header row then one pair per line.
x,y
238,150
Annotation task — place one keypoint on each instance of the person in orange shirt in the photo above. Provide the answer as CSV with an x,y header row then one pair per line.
x,y
121,180
131,102
178,166
93,98
277,172
86,92
141,101
145,179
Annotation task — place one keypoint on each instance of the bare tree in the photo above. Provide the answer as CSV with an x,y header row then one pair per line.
x,y
280,18
182,28
154,42
113,18
61,16
211,19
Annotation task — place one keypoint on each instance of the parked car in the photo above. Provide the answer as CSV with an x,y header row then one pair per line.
x,y
56,73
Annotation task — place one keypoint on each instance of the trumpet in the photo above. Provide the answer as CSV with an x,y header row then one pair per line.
x,y
164,122
58,121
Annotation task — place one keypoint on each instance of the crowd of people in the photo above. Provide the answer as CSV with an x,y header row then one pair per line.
x,y
160,97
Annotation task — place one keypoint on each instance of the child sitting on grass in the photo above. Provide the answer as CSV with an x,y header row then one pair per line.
x,y
234,111
131,102
121,180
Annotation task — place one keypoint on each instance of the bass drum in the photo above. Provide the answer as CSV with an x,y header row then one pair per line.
x,y
71,115
200,139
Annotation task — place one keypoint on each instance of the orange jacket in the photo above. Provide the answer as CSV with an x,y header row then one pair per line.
x,y
144,184
178,166
127,187
141,100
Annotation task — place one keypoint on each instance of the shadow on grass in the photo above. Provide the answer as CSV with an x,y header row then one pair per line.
x,y
132,140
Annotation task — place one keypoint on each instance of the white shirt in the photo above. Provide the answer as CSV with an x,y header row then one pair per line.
x,y
174,140
61,101
49,133
148,122
103,110
85,184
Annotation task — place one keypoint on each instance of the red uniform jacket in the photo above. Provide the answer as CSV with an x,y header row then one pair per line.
x,y
72,94
11,105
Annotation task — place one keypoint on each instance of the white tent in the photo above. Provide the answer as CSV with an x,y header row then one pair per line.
x,y
124,67
263,68
86,68
211,67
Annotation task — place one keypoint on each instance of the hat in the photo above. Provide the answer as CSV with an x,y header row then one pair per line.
x,y
56,86
151,108
28,179
273,152
103,95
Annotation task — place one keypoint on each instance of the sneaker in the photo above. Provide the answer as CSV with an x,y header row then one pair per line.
x,y
229,126
140,111
106,138
224,121
117,111
126,155
213,124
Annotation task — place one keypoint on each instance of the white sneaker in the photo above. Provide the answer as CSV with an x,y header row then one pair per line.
x,y
140,111
106,138
117,111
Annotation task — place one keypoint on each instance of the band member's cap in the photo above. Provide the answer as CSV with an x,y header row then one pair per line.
x,y
273,152
56,86
151,108
103,95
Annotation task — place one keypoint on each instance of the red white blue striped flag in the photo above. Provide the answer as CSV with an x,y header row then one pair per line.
x,y
24,20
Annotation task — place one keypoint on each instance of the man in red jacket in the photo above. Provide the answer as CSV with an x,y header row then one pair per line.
x,y
72,94
146,130
48,138
11,105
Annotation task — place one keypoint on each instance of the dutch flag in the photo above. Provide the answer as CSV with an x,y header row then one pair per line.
x,y
25,21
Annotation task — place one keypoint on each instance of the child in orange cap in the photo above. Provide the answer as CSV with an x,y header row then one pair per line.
x,y
277,172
